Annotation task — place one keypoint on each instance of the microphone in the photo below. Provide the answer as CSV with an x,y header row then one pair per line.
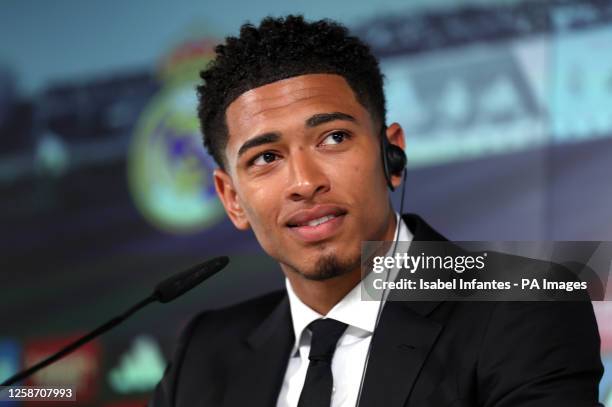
x,y
164,292
180,283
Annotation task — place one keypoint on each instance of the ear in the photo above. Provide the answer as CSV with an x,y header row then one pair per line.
x,y
395,135
229,198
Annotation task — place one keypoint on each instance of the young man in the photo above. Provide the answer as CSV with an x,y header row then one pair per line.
x,y
294,114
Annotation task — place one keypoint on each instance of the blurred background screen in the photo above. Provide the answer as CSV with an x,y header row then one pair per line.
x,y
105,187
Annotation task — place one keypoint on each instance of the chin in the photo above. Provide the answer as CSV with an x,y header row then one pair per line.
x,y
330,266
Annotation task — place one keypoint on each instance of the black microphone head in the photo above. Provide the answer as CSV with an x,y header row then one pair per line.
x,y
184,281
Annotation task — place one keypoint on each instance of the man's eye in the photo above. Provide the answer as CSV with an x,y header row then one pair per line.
x,y
265,158
336,137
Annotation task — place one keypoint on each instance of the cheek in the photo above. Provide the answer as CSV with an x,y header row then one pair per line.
x,y
262,214
368,186
261,208
366,174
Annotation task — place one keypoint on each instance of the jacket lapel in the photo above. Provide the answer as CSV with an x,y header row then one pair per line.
x,y
400,346
402,340
421,230
256,377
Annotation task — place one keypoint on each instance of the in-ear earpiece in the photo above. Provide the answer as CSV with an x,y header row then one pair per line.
x,y
393,157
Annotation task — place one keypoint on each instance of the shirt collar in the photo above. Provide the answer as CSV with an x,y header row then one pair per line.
x,y
351,310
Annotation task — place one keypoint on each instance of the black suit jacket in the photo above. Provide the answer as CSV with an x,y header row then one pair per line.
x,y
442,354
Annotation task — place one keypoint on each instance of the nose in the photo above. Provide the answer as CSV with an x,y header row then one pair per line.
x,y
306,178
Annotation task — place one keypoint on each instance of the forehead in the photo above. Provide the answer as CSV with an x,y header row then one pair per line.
x,y
289,102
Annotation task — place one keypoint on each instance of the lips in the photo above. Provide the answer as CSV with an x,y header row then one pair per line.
x,y
316,224
315,216
318,221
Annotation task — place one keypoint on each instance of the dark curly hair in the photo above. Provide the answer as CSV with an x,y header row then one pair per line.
x,y
282,48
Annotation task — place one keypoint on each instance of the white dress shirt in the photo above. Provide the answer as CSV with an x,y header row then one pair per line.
x,y
351,350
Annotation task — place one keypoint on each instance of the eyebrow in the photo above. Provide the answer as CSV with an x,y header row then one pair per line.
x,y
312,121
322,118
264,138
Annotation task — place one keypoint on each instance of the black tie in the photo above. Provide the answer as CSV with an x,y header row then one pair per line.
x,y
317,390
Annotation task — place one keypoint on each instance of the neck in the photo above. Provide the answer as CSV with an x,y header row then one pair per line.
x,y
323,295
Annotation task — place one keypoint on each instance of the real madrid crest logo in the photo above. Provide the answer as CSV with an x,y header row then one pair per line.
x,y
169,171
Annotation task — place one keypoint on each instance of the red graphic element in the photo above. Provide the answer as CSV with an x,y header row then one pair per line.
x,y
603,312
79,370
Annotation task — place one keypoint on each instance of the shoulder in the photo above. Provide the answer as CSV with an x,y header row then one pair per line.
x,y
234,320
207,346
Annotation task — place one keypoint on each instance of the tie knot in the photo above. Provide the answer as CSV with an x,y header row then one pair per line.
x,y
325,335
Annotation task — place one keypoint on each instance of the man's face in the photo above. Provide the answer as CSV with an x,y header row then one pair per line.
x,y
304,172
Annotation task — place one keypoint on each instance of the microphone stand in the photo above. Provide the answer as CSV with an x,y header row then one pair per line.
x,y
164,292
79,342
